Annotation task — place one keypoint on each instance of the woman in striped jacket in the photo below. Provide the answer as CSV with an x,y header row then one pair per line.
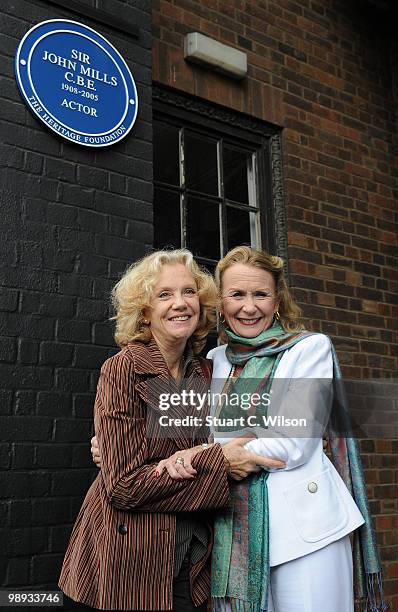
x,y
142,540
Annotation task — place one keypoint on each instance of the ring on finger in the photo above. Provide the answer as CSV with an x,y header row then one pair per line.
x,y
180,460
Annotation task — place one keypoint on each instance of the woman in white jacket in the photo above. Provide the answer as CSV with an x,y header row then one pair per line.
x,y
310,511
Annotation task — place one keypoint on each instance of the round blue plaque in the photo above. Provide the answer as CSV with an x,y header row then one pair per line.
x,y
76,82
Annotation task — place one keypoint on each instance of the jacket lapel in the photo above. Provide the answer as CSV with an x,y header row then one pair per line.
x,y
154,380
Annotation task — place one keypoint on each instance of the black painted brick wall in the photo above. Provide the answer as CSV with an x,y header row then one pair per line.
x,y
71,220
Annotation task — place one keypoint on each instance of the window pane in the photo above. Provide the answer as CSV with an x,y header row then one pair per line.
x,y
235,174
238,227
166,165
167,219
201,169
203,228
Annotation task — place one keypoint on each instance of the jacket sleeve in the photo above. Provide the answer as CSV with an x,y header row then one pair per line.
x,y
127,470
304,392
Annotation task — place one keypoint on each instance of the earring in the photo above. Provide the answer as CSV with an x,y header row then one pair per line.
x,y
145,321
222,319
277,315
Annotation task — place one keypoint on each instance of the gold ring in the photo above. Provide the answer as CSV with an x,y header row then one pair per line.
x,y
180,460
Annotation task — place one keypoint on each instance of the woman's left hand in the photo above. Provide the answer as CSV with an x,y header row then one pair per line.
x,y
179,470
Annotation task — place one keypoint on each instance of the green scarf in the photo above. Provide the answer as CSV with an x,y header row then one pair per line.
x,y
240,562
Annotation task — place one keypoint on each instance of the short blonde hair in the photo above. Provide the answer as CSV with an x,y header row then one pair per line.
x,y
133,293
289,312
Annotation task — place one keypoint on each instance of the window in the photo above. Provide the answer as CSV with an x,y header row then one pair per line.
x,y
213,179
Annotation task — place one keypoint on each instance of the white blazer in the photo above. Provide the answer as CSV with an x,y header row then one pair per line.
x,y
309,504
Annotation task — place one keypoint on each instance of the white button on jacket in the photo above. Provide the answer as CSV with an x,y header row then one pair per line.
x,y
309,504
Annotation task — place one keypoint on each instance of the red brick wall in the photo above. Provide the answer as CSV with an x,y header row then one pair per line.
x,y
322,71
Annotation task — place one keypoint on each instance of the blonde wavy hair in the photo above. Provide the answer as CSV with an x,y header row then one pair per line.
x,y
289,312
133,293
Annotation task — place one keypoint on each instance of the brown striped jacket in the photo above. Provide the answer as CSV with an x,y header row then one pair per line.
x,y
121,551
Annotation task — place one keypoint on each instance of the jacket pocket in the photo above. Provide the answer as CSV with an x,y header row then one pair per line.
x,y
317,507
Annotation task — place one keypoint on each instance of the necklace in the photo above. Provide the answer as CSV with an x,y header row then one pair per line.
x,y
225,391
179,370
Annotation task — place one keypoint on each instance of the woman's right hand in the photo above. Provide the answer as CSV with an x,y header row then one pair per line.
x,y
242,462
95,452
179,471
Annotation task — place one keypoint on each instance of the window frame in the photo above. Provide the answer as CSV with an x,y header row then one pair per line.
x,y
182,110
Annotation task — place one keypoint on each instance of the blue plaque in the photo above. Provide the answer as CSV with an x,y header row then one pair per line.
x,y
76,82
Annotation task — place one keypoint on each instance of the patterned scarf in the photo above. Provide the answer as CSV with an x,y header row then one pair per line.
x,y
240,562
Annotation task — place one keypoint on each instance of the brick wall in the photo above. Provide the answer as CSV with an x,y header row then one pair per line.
x,y
321,70
72,218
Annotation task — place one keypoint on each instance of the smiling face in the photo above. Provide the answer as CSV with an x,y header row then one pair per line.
x,y
174,309
249,299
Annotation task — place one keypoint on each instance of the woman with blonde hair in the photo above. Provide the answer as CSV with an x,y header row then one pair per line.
x,y
142,539
283,543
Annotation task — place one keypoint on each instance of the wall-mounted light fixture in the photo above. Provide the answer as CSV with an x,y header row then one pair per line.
x,y
213,54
